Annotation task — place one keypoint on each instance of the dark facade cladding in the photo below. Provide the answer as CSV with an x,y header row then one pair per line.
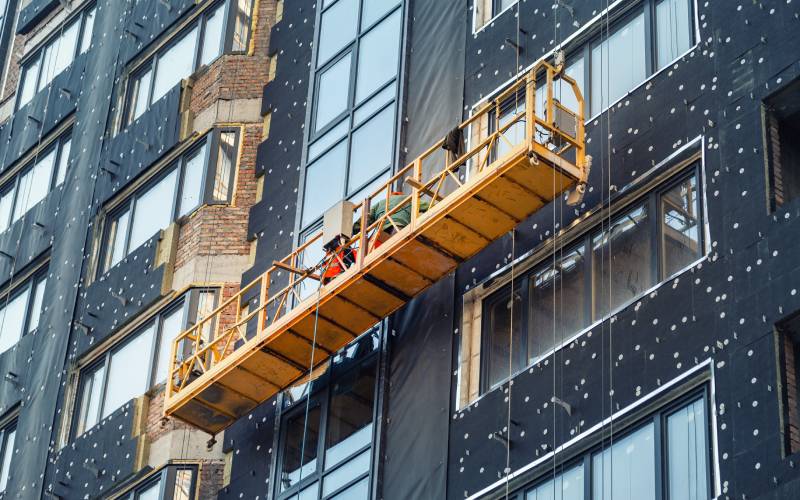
x,y
644,343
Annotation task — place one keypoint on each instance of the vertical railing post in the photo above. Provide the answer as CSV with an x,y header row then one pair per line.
x,y
364,242
530,107
415,192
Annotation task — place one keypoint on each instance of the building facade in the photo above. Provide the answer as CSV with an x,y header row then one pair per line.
x,y
157,157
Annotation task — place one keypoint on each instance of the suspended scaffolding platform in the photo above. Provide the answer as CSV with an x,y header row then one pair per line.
x,y
433,214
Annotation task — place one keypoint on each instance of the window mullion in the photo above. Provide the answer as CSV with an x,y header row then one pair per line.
x,y
660,451
649,35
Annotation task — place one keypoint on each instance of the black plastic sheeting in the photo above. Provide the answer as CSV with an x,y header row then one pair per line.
x,y
420,347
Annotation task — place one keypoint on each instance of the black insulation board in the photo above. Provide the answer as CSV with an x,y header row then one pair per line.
x,y
723,309
33,13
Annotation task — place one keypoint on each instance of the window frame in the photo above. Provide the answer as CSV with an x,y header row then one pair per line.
x,y
348,116
211,142
165,477
198,20
659,419
13,184
7,22
649,198
8,427
27,285
35,56
321,394
188,302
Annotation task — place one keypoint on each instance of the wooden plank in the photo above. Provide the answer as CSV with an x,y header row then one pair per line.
x,y
541,179
295,349
511,198
401,277
425,260
202,416
349,314
271,368
249,384
224,400
330,336
372,297
455,237
483,218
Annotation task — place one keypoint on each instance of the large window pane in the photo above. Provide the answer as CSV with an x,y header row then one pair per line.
x,y
618,64
673,29
63,161
225,161
153,210
126,376
140,88
171,327
333,92
88,28
212,37
295,454
350,414
346,473
183,485
28,87
371,150
359,491
34,184
502,347
12,320
6,201
557,298
175,64
324,183
372,10
241,28
150,492
117,234
515,133
337,29
192,189
91,392
568,485
687,453
680,226
622,261
36,306
66,48
8,453
626,470
378,56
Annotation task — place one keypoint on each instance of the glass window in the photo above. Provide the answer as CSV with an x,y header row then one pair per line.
x,y
557,295
175,64
324,183
12,317
91,393
350,414
618,64
63,161
378,57
150,492
118,235
622,261
192,189
372,149
88,29
687,453
30,75
34,184
626,469
241,24
149,211
126,378
38,303
226,160
338,28
300,446
680,226
503,344
567,485
673,30
333,92
140,90
344,474
6,204
372,10
212,36
171,326
8,439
